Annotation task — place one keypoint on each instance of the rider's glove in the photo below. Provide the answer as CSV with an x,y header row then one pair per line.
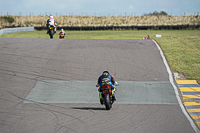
x,y
116,83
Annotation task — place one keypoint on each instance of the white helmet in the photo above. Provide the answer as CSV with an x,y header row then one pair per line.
x,y
51,16
62,30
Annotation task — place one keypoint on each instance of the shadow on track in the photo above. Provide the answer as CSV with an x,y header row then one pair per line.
x,y
87,108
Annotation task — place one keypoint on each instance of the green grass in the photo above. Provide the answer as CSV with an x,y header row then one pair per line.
x,y
181,47
182,50
82,34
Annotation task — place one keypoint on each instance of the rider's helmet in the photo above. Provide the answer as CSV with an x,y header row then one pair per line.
x,y
62,30
51,17
105,73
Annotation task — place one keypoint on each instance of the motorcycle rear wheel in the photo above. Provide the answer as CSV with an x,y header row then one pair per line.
x,y
51,33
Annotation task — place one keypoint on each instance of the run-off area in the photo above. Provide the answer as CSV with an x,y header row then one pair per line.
x,y
128,92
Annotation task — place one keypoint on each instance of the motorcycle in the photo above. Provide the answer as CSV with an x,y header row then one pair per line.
x,y
62,35
51,31
107,95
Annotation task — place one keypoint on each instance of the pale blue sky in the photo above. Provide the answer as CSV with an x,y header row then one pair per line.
x,y
98,7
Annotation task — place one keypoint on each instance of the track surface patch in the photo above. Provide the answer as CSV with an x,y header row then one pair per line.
x,y
129,92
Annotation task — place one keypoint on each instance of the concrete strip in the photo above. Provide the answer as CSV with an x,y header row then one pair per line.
x,y
129,92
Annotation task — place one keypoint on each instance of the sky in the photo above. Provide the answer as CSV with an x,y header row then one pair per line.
x,y
98,7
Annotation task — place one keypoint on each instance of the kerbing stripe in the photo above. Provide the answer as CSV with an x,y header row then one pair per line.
x,y
194,113
197,120
192,100
190,93
189,89
193,107
189,85
198,123
176,90
191,103
186,81
195,117
190,96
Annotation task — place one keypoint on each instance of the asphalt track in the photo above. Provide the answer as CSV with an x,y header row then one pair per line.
x,y
43,80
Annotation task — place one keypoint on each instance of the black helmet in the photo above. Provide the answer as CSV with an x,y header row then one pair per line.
x,y
105,72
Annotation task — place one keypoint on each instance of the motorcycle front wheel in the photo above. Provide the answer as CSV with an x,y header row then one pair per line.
x,y
107,102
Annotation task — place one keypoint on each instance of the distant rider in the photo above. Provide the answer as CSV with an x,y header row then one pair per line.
x,y
51,21
108,78
62,32
147,37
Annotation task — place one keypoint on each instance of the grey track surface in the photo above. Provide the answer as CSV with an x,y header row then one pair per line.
x,y
25,62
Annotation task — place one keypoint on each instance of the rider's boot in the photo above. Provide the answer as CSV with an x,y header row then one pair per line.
x,y
55,30
47,31
113,97
113,94
101,98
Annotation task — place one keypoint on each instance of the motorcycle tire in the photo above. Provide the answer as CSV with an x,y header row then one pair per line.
x,y
51,33
107,102
62,37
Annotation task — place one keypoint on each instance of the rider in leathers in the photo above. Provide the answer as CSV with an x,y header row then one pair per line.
x,y
108,78
51,21
62,32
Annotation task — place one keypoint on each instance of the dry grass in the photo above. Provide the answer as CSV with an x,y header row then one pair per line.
x,y
104,21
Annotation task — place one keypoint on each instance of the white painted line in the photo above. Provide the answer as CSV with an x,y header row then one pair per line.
x,y
171,79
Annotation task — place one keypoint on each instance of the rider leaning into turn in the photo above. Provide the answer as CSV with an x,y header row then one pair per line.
x,y
108,78
51,21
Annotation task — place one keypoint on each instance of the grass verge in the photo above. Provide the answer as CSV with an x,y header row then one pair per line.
x,y
181,47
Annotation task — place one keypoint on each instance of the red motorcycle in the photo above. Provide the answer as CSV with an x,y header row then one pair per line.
x,y
62,35
107,95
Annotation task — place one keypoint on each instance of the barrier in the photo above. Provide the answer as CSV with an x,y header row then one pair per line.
x,y
162,27
17,29
166,27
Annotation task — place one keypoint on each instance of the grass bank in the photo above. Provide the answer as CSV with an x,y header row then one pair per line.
x,y
181,47
182,50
